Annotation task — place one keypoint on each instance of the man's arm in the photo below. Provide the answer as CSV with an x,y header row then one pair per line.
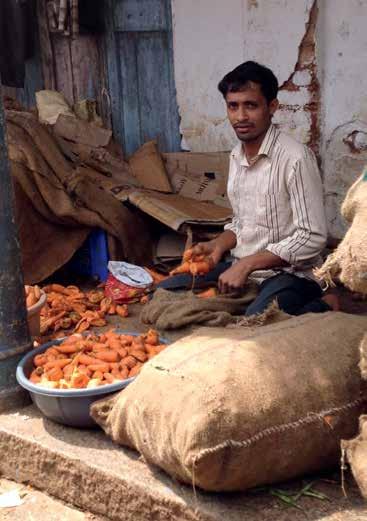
x,y
306,199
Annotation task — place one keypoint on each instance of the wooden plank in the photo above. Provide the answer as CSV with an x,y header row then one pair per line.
x,y
154,91
114,94
142,15
46,50
130,92
63,66
85,64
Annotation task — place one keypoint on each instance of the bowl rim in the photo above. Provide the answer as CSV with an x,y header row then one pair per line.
x,y
24,381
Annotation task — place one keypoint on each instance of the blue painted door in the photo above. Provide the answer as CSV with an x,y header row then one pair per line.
x,y
140,74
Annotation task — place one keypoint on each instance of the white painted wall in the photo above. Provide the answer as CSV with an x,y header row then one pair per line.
x,y
213,36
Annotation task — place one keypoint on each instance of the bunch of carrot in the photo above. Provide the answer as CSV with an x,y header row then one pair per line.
x,y
90,361
69,307
32,295
194,264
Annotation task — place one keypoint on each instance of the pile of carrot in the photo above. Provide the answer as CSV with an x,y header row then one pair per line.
x,y
32,295
68,307
194,264
81,362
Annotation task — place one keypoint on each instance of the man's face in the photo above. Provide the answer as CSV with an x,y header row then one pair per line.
x,y
249,112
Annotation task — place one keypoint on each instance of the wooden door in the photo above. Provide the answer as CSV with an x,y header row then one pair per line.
x,y
140,74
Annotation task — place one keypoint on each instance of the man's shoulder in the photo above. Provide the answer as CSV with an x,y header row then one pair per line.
x,y
291,148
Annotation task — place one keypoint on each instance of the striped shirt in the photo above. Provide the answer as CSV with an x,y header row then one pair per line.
x,y
277,203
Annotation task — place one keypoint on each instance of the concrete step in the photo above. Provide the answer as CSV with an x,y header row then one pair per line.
x,y
38,506
84,468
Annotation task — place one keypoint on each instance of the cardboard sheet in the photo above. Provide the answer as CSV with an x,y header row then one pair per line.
x,y
201,176
175,210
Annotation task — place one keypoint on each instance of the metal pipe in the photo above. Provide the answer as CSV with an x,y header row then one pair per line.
x,y
14,334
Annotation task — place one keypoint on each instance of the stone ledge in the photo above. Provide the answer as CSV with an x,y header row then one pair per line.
x,y
85,469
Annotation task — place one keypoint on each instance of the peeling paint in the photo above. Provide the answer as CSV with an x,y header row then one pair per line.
x,y
304,78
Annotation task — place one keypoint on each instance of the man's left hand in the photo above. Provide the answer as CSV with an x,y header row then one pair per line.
x,y
234,279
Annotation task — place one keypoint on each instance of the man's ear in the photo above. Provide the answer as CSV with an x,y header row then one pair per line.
x,y
273,106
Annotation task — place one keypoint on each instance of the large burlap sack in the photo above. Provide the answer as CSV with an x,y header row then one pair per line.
x,y
356,452
229,409
363,361
349,261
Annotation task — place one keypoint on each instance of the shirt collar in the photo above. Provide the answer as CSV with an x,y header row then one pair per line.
x,y
265,148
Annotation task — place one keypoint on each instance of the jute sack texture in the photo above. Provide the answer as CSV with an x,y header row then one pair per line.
x,y
228,409
356,449
349,261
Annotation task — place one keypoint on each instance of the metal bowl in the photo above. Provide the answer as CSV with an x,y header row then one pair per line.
x,y
66,406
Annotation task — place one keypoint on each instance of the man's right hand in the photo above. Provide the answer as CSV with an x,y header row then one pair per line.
x,y
210,249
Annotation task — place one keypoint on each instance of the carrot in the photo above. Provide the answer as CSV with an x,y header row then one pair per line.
x,y
139,355
108,356
55,374
122,352
187,255
79,381
34,377
57,363
99,346
122,311
83,369
124,371
31,299
39,360
103,367
200,268
129,361
209,293
87,360
183,268
150,350
135,370
114,343
51,351
152,337
67,348
108,377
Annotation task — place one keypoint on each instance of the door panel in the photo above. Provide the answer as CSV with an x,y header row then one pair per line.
x,y
140,70
140,15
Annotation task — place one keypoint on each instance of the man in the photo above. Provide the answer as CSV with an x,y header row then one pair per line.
x,y
278,228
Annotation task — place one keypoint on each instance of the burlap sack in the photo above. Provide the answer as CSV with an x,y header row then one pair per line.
x,y
356,452
363,361
50,104
172,310
147,166
229,409
349,261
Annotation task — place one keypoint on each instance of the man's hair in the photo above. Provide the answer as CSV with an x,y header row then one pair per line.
x,y
236,80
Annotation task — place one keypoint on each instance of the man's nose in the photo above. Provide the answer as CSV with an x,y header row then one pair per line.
x,y
242,114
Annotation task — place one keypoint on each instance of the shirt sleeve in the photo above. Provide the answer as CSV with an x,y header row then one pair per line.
x,y
233,226
306,199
